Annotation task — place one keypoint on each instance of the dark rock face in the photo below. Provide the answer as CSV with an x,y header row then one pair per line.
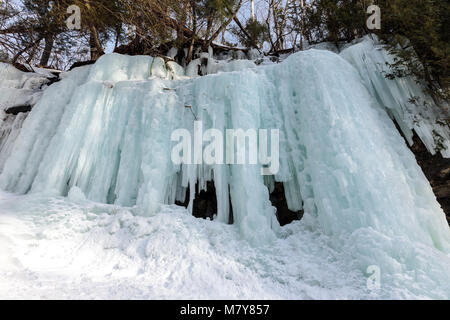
x,y
82,64
16,110
134,48
53,80
278,199
437,170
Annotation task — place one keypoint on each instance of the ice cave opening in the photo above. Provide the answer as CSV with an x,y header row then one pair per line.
x,y
205,203
278,199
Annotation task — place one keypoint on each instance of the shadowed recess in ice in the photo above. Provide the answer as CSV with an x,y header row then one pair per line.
x,y
106,130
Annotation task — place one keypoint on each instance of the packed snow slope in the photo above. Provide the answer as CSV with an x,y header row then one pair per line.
x,y
103,135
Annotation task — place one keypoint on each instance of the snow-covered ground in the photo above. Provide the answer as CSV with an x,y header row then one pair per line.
x,y
58,248
70,248
103,133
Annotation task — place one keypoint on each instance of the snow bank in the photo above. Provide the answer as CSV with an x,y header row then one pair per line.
x,y
55,248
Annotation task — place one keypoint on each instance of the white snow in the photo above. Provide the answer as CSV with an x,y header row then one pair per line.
x,y
229,66
103,134
234,61
19,88
56,248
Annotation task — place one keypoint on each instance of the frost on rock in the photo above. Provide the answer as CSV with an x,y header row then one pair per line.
x,y
211,63
19,88
107,138
403,98
212,66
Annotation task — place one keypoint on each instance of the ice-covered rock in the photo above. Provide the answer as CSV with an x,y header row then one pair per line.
x,y
211,63
403,98
19,91
175,70
215,66
324,46
19,88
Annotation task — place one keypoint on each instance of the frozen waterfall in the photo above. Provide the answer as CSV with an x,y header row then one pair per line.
x,y
105,130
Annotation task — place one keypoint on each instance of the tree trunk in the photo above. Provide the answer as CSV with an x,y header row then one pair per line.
x,y
194,30
223,26
239,24
96,47
118,34
302,32
209,26
49,41
275,12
